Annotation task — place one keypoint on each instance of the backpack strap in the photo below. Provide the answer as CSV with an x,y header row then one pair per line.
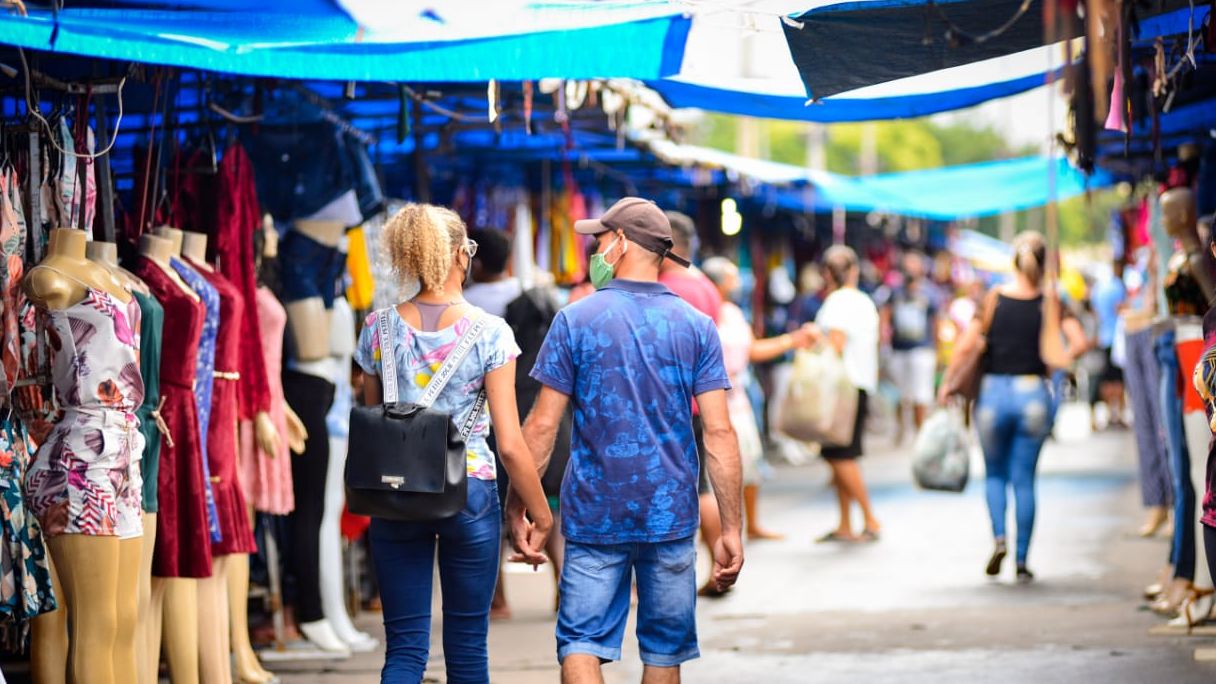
x,y
385,325
988,310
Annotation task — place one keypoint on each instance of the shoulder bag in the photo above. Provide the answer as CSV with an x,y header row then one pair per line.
x,y
406,460
963,377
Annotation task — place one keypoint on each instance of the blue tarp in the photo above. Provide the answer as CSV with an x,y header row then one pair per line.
x,y
641,39
830,110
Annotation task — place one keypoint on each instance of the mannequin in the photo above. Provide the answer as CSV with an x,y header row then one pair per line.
x,y
311,263
174,595
97,568
342,342
308,315
106,254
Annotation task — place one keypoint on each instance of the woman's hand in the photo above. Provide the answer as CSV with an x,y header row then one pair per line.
x,y
805,336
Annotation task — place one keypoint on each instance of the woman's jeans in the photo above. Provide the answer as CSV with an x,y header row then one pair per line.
x,y
404,554
1014,417
1182,549
1142,375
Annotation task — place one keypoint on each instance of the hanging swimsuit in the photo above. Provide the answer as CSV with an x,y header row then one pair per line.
x,y
85,478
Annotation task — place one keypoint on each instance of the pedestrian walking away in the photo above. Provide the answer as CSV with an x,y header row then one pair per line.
x,y
630,359
1016,408
429,243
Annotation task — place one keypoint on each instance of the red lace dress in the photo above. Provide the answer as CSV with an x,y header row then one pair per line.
x,y
183,546
222,431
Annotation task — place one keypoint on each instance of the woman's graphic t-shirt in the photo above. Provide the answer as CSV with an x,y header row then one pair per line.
x,y
419,355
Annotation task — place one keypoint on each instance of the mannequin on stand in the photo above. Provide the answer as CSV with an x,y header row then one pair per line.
x,y
1189,289
333,587
152,317
96,550
183,551
311,265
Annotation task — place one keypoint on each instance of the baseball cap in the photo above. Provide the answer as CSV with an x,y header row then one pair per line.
x,y
642,222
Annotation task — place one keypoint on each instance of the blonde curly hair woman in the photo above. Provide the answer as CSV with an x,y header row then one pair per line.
x,y
430,244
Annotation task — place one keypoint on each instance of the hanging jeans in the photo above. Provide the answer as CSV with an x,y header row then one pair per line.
x,y
1182,550
1142,375
1013,416
404,556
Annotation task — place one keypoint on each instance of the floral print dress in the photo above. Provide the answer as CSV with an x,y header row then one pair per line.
x,y
85,478
25,578
205,378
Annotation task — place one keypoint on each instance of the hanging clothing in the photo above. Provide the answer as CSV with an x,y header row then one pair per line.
x,y
238,218
25,579
267,478
236,536
151,328
85,477
182,542
204,378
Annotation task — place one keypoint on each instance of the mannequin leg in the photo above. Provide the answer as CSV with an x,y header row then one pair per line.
x,y
248,669
180,633
333,588
213,624
147,637
1198,433
49,639
130,555
88,568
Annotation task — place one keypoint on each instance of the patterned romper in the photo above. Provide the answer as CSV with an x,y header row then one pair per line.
x,y
85,477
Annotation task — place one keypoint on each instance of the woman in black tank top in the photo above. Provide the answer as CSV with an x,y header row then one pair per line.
x,y
1015,409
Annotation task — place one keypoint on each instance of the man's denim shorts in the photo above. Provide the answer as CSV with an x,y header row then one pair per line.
x,y
595,593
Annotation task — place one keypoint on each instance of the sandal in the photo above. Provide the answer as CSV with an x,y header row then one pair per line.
x,y
869,536
835,536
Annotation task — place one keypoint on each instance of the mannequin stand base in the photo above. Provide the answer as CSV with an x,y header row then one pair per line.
x,y
1205,655
299,651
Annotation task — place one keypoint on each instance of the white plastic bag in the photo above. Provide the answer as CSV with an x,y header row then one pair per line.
x,y
942,457
820,404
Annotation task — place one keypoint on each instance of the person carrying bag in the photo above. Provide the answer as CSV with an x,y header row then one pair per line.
x,y
431,364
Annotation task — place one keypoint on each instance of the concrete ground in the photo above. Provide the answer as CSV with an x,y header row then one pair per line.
x,y
915,607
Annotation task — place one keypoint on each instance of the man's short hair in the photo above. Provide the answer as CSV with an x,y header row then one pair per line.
x,y
493,249
683,232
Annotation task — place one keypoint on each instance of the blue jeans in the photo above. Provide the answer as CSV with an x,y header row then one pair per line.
x,y
1142,375
595,600
1014,417
1182,550
404,554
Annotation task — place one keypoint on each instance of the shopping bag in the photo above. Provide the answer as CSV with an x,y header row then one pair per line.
x,y
820,403
942,457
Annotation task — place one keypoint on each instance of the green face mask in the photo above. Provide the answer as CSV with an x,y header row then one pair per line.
x,y
600,270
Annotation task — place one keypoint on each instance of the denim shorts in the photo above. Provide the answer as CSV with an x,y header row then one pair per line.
x,y
308,269
595,591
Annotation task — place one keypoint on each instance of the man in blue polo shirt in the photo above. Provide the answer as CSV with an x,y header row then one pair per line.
x,y
630,359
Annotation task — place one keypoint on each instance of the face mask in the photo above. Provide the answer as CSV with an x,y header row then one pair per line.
x,y
600,270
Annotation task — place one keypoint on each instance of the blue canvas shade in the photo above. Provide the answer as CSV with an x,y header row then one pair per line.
x,y
600,40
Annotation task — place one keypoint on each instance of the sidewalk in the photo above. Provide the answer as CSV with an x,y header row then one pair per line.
x,y
914,607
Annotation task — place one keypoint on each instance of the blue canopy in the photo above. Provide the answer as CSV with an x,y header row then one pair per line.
x,y
313,39
837,109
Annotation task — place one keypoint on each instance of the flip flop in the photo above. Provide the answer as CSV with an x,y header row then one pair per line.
x,y
835,536
869,536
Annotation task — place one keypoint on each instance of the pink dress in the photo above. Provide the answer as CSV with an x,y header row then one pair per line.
x,y
267,480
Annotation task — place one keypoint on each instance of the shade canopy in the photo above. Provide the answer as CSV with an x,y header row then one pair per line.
x,y
408,41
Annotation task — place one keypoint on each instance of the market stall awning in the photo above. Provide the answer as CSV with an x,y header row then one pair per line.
x,y
984,189
409,41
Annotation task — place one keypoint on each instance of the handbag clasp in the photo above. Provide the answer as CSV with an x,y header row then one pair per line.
x,y
394,481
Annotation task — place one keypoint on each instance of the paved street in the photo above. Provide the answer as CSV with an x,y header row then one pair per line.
x,y
915,607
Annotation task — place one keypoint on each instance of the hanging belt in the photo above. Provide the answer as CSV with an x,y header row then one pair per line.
x,y
161,426
226,375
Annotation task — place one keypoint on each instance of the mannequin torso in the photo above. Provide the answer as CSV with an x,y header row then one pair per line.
x,y
64,277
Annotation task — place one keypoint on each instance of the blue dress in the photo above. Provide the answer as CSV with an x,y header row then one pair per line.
x,y
205,376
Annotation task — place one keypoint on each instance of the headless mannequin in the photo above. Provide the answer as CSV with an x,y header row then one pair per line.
x,y
304,318
213,603
307,316
97,576
342,342
174,600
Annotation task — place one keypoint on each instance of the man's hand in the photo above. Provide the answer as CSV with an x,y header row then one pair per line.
x,y
527,538
728,560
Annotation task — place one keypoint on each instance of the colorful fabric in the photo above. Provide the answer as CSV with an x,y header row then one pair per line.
x,y
25,578
419,354
183,548
362,286
151,328
737,339
267,477
85,478
204,381
631,357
